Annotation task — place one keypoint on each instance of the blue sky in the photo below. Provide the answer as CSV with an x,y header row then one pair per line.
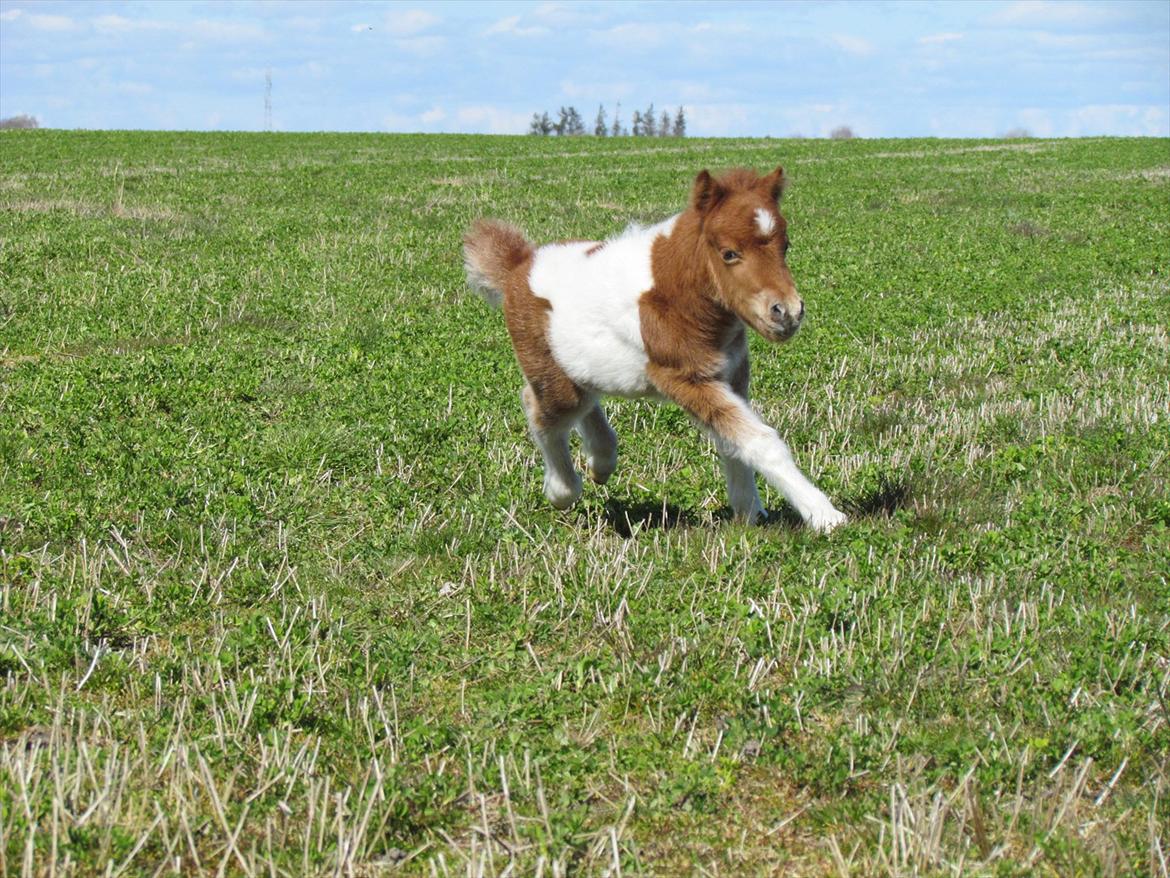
x,y
887,69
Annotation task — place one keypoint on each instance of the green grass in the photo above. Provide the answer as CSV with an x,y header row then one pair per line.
x,y
280,594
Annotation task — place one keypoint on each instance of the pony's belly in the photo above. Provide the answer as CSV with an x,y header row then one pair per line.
x,y
600,362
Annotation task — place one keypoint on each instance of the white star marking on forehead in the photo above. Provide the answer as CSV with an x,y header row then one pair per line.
x,y
765,222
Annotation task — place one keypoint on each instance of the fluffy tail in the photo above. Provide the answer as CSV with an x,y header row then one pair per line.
x,y
491,251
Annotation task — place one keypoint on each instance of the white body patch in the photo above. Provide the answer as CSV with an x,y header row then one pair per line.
x,y
765,222
595,330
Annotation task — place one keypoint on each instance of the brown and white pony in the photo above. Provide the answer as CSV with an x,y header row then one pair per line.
x,y
657,311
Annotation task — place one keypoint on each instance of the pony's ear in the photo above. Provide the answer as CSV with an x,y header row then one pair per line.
x,y
706,192
774,183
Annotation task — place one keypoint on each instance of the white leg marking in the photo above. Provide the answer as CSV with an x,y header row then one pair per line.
x,y
741,490
771,454
600,444
761,448
562,483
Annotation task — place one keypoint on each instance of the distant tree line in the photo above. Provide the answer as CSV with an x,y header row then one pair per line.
x,y
644,124
22,121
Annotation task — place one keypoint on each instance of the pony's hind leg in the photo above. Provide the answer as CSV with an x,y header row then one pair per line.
x,y
562,483
600,444
741,489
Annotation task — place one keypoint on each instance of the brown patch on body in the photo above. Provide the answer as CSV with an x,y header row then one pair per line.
x,y
554,395
709,401
499,258
683,325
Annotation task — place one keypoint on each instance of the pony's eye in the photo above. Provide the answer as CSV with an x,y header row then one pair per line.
x,y
730,256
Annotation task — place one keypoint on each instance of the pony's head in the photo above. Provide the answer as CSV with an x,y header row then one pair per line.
x,y
743,239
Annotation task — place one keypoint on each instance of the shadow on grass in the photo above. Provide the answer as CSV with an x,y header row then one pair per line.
x,y
890,495
626,518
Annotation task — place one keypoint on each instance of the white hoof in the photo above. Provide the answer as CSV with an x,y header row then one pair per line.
x,y
824,521
754,514
601,468
560,495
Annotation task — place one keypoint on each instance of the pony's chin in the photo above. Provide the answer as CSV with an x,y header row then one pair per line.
x,y
777,334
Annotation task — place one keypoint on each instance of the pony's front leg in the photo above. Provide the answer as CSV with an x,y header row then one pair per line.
x,y
741,489
739,433
741,478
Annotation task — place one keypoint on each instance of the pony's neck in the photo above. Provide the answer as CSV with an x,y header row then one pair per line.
x,y
679,264
681,270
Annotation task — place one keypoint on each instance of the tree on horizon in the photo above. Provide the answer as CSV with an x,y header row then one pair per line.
x,y
599,129
541,124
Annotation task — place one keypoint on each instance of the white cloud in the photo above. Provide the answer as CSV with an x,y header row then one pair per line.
x,y
1124,119
939,39
117,24
493,120
715,120
703,91
1037,122
565,15
221,30
134,88
474,118
600,90
968,121
358,28
421,47
409,22
723,27
113,24
511,25
302,23
400,122
249,74
215,30
40,22
310,69
852,45
1074,42
1046,13
1089,120
632,35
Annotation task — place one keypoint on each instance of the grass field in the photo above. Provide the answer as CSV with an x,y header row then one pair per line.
x,y
280,594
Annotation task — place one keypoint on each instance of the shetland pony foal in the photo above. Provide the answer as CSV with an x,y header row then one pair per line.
x,y
656,311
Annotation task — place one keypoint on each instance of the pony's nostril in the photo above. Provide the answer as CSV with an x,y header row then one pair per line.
x,y
800,313
779,312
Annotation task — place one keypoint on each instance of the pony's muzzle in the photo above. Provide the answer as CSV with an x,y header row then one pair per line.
x,y
784,319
